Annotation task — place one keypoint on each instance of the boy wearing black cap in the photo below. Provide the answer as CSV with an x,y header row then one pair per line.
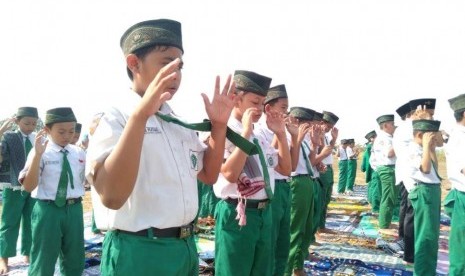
x,y
144,162
277,103
54,174
366,167
77,134
327,177
17,203
454,203
385,157
426,195
343,165
246,184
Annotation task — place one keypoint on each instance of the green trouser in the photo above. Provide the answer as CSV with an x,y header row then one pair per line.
x,y
317,206
301,221
389,195
454,205
327,178
343,170
426,202
281,222
242,250
129,254
207,200
375,192
17,210
351,172
57,232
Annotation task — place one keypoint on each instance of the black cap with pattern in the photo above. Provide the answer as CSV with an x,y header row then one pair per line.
x,y
59,115
426,125
370,135
276,92
385,118
457,103
78,128
301,113
27,111
317,116
428,103
152,32
330,117
403,109
248,81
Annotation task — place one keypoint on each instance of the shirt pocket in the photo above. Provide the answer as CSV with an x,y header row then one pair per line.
x,y
193,156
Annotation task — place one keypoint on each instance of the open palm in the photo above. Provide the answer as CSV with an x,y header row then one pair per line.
x,y
219,109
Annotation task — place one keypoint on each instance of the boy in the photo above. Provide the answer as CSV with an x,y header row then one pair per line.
x,y
455,201
277,101
385,157
17,203
144,162
245,186
342,165
77,134
425,196
367,169
302,189
327,178
54,174
352,155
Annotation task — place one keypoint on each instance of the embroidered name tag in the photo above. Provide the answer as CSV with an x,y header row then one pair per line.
x,y
152,130
52,162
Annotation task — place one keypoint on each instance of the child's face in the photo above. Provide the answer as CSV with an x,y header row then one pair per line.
x,y
61,133
389,127
251,100
280,106
75,138
153,62
27,124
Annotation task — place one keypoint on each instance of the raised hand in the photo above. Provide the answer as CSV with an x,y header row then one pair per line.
x,y
303,131
292,127
275,122
7,125
156,93
334,133
247,120
219,109
315,135
40,142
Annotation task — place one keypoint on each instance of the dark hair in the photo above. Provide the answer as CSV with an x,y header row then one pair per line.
x,y
271,103
459,115
143,52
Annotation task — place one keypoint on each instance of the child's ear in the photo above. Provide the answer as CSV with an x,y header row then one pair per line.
x,y
267,108
132,62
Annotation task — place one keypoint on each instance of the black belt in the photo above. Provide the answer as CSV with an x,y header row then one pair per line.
x,y
181,232
69,201
329,166
255,204
302,175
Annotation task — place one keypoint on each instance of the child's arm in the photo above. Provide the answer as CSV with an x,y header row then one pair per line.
x,y
218,111
427,141
234,164
5,126
114,178
296,143
31,179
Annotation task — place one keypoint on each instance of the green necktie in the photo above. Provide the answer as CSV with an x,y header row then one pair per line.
x,y
65,177
236,139
307,162
266,175
27,145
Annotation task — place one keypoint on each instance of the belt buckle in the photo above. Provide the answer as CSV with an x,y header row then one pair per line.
x,y
71,201
262,205
185,231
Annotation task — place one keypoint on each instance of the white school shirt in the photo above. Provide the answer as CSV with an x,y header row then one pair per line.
x,y
328,160
403,137
225,189
263,132
301,166
165,192
455,157
342,153
381,148
50,171
413,164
